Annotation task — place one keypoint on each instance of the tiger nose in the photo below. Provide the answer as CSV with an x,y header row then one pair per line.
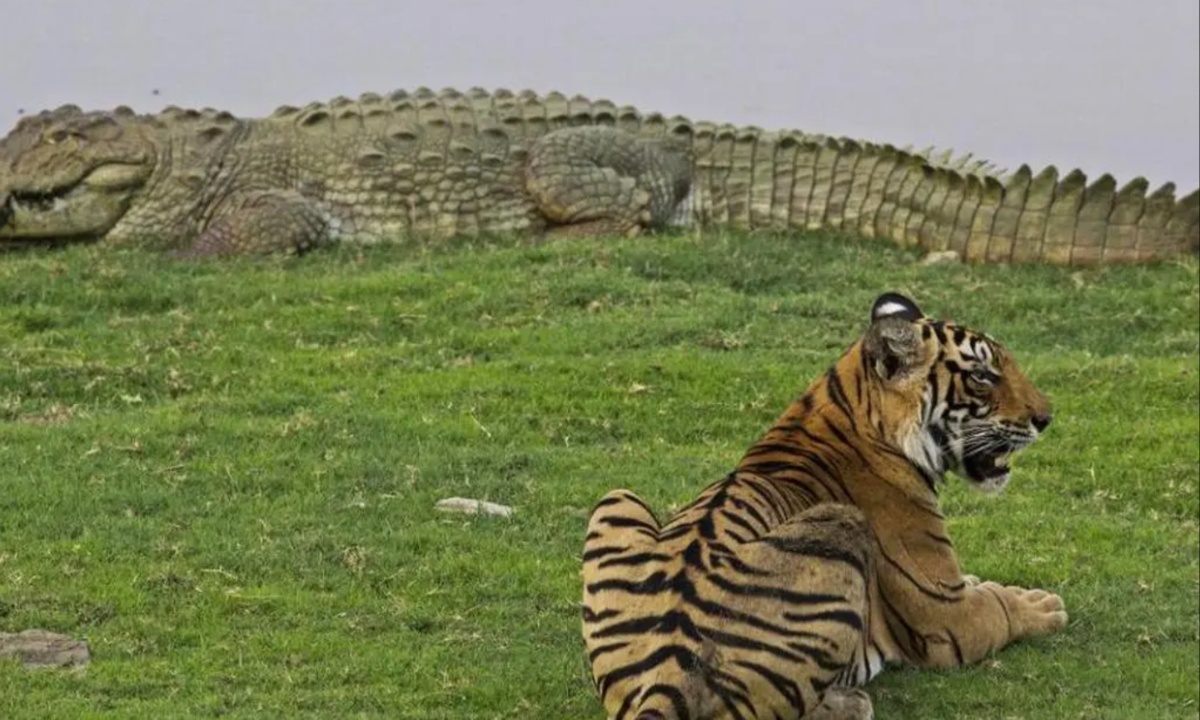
x,y
1041,421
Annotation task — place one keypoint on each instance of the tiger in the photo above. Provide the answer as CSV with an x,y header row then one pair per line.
x,y
791,582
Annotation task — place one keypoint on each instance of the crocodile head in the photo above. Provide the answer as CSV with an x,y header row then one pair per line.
x,y
66,174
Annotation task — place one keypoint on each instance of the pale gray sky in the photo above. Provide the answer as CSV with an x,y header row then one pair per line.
x,y
1104,85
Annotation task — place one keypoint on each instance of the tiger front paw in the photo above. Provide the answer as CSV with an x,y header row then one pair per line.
x,y
1031,611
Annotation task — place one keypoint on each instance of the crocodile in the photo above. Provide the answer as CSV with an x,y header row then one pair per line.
x,y
433,164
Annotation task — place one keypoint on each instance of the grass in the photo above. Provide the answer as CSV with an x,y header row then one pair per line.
x,y
224,474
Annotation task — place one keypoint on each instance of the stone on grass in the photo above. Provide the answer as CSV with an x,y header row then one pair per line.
x,y
473,507
44,649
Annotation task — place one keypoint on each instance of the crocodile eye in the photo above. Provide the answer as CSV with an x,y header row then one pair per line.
x,y
56,137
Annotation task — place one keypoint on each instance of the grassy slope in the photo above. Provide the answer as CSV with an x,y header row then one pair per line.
x,y
224,475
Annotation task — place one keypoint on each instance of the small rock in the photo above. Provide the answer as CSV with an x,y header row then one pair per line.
x,y
43,649
473,507
941,257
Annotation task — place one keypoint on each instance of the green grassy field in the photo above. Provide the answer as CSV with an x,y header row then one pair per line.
x,y
224,474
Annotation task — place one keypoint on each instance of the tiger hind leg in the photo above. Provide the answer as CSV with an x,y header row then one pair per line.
x,y
809,578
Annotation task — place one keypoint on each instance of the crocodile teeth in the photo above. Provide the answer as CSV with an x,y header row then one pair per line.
x,y
36,202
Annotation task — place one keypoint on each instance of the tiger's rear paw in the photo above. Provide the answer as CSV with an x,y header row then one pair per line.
x,y
843,704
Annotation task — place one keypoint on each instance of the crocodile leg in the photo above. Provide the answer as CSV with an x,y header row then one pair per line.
x,y
262,222
593,181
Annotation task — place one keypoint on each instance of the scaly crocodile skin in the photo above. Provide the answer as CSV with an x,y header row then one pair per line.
x,y
443,163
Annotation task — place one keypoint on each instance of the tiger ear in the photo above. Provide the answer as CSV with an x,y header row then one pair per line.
x,y
893,343
893,304
894,347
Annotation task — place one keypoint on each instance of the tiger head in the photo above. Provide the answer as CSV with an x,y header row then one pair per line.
x,y
958,400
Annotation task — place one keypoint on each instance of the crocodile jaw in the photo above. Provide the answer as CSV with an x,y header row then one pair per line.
x,y
85,210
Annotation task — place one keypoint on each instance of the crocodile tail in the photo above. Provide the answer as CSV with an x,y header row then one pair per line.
x,y
1028,217
1023,217
792,180
1071,221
